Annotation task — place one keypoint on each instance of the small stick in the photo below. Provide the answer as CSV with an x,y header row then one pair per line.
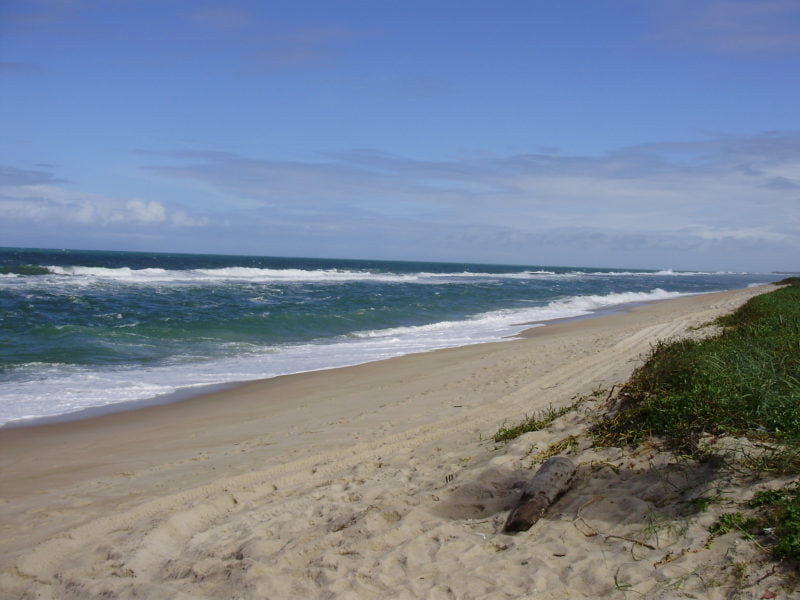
x,y
629,539
610,392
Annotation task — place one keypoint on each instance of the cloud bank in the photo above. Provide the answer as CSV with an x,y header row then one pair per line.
x,y
723,202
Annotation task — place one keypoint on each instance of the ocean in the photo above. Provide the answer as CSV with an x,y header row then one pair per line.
x,y
88,330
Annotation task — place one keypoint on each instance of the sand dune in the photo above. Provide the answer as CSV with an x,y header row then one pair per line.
x,y
375,481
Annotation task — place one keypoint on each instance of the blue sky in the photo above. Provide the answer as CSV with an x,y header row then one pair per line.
x,y
661,134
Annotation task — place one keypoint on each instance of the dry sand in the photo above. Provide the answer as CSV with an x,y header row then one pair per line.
x,y
376,481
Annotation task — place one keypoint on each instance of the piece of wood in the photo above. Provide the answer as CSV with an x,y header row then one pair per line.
x,y
551,480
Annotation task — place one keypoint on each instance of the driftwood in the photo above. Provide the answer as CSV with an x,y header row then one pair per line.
x,y
550,481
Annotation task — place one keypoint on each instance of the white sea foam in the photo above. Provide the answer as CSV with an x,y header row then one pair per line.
x,y
228,274
259,275
49,390
502,323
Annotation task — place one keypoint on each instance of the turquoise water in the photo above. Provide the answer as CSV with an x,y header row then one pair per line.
x,y
84,329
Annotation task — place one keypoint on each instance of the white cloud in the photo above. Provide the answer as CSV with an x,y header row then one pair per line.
x,y
47,203
141,211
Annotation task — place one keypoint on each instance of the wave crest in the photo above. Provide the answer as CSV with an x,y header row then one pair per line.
x,y
265,275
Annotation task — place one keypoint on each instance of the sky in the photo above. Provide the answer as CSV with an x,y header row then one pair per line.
x,y
620,133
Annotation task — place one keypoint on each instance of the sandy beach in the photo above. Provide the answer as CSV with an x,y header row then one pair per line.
x,y
377,481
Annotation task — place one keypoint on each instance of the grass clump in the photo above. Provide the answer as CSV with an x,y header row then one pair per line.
x,y
702,503
781,516
538,421
745,381
568,443
732,522
779,460
777,518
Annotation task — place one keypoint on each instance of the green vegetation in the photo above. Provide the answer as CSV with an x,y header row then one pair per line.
x,y
789,281
745,381
731,522
702,503
777,518
781,516
538,421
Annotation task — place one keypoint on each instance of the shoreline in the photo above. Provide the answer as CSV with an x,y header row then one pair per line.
x,y
327,481
246,397
188,394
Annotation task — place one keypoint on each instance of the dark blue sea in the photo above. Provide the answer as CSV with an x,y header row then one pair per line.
x,y
85,329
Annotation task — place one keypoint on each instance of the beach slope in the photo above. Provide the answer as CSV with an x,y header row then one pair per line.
x,y
376,481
